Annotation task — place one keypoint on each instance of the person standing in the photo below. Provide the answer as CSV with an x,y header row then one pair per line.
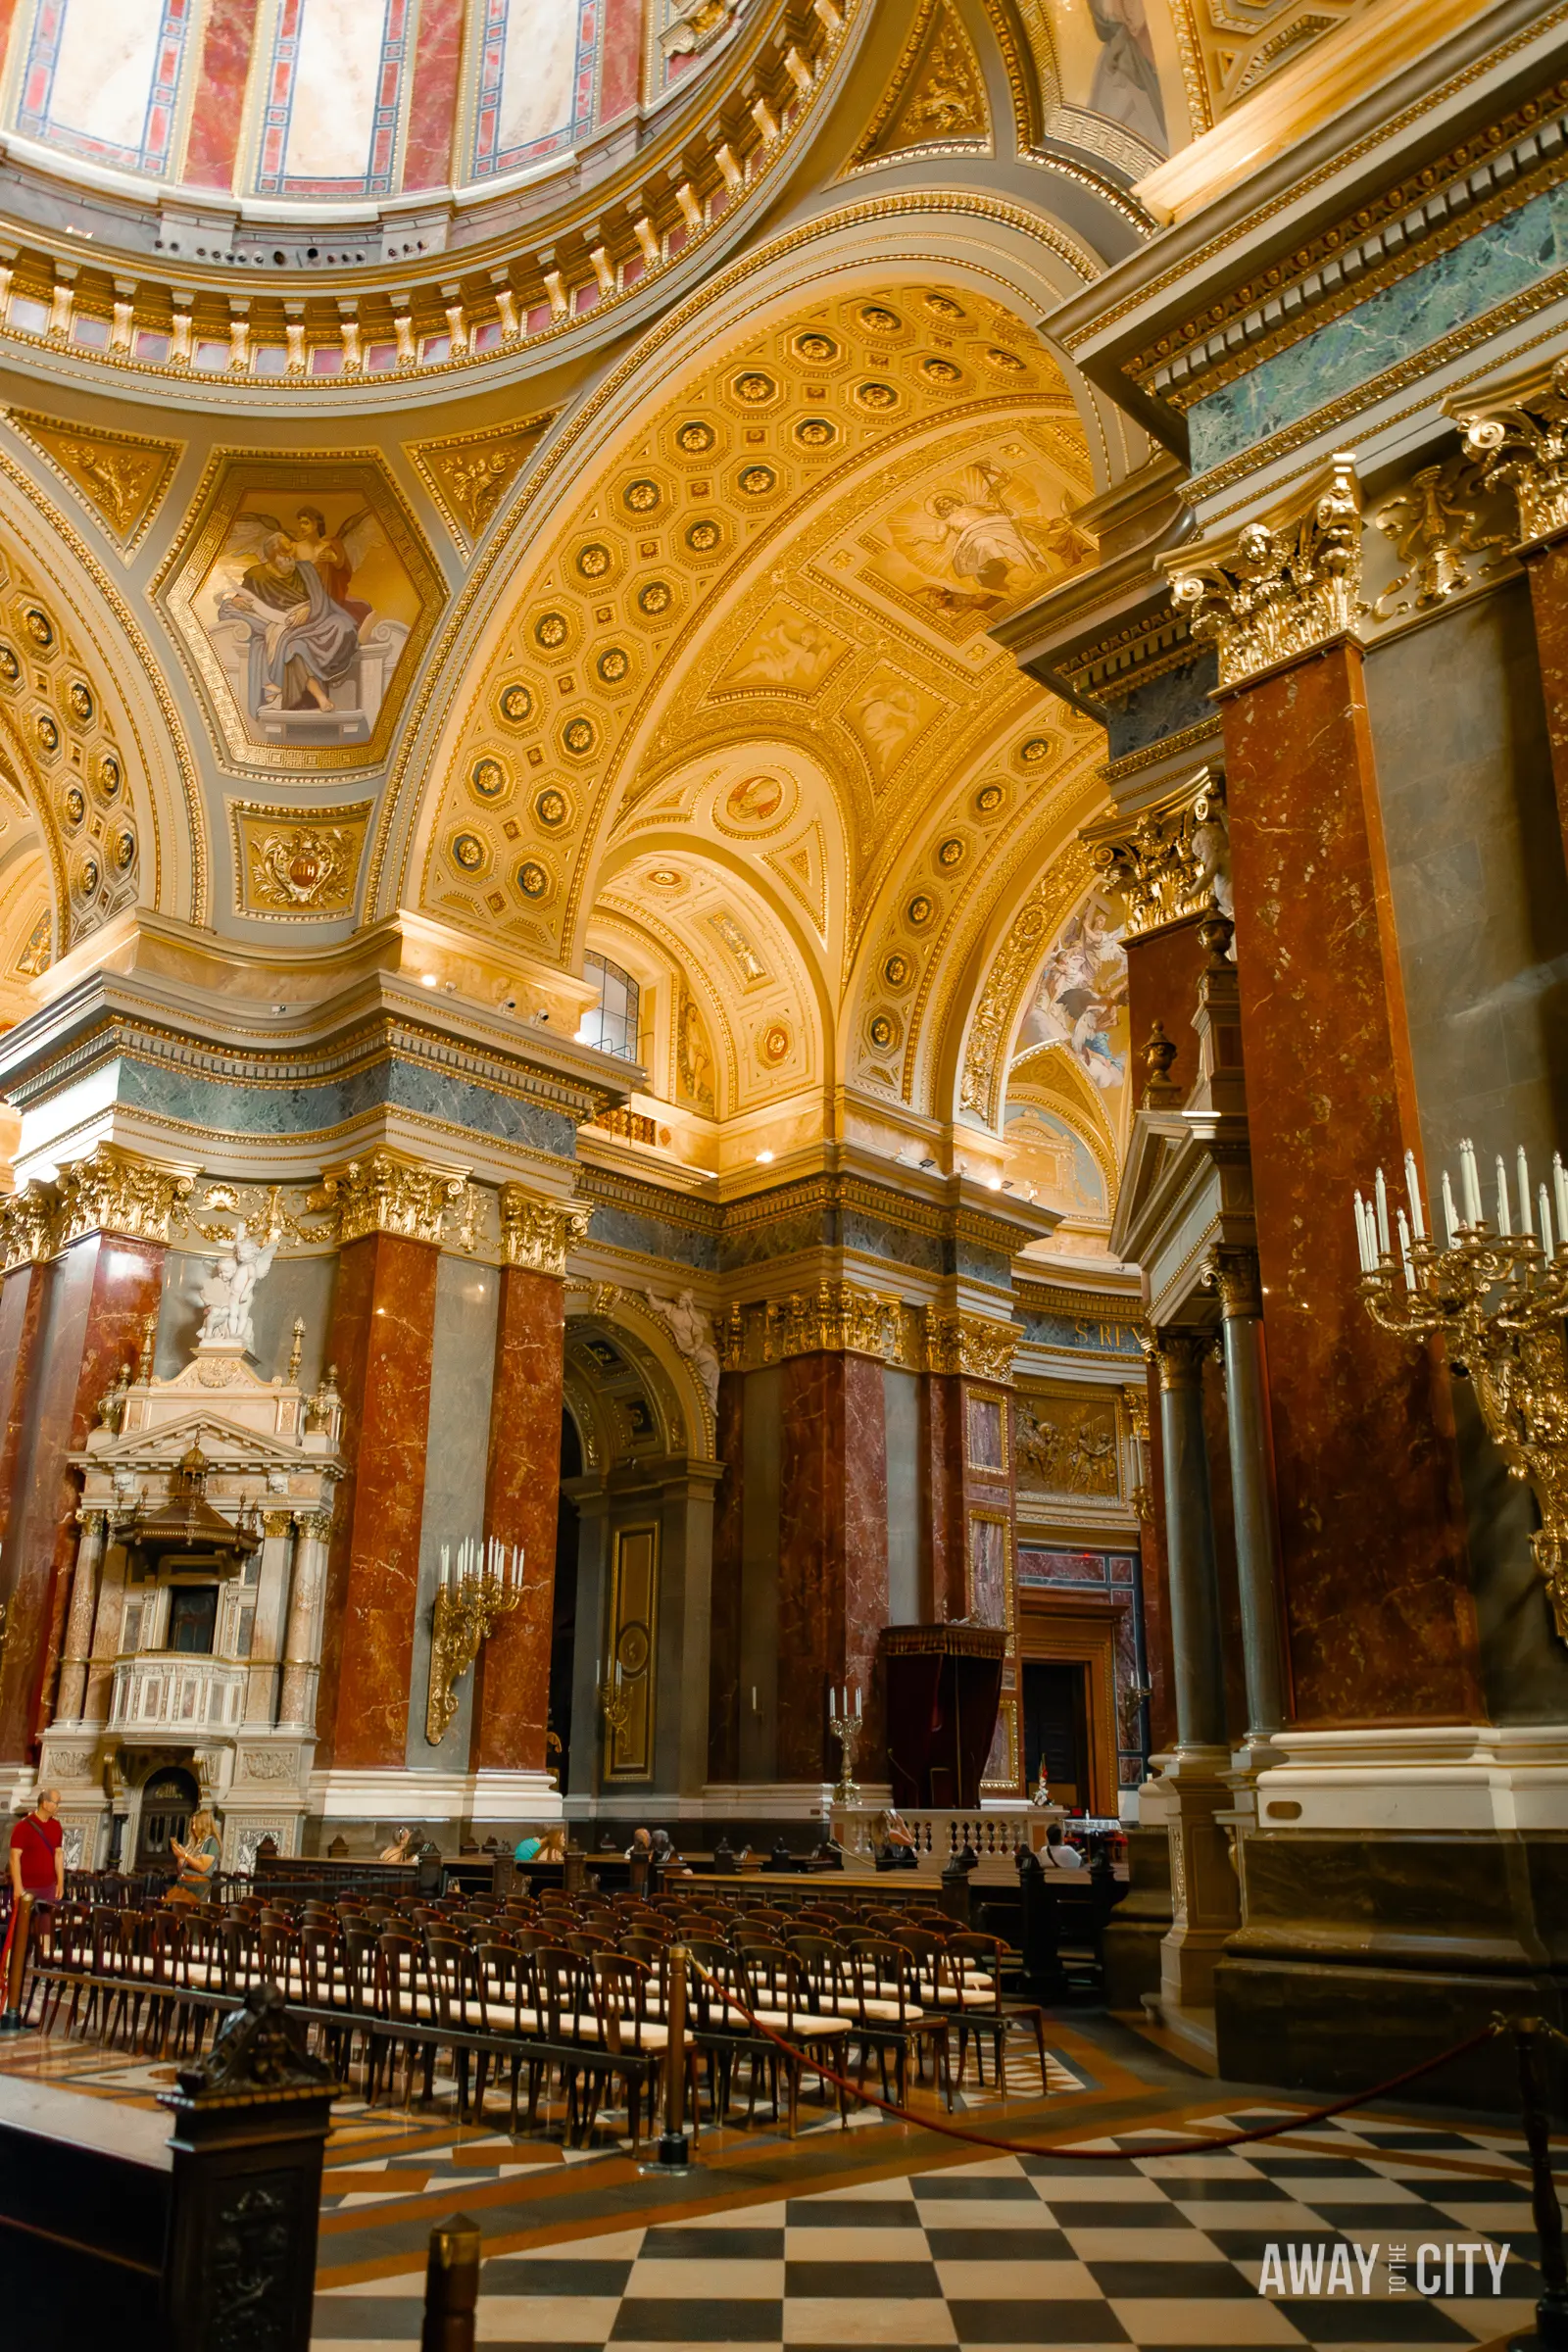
x,y
37,1861
198,1861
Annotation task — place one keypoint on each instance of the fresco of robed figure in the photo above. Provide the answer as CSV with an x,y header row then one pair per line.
x,y
308,611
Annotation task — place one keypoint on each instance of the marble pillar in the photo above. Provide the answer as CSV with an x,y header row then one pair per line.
x,y
1163,971
523,1487
1378,1608
724,1630
100,1291
1195,1620
83,1610
1547,568
23,1296
383,1322
833,1558
942,1447
302,1632
1252,1453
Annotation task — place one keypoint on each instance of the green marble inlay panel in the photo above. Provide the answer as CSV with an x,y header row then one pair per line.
x,y
1503,258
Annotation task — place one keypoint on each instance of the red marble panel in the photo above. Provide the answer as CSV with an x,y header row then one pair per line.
x,y
1547,569
942,1433
1378,1605
833,1558
1162,974
512,1679
384,1324
724,1637
24,1298
433,104
100,1294
1162,1673
620,78
217,109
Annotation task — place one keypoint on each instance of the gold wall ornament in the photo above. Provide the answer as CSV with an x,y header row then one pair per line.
x,y
121,476
1497,1298
1521,440
1178,1356
936,96
385,1193
834,1319
297,863
1170,861
469,474
483,1585
28,1221
114,1190
1280,588
1436,527
538,1235
985,1067
977,1347
1066,1446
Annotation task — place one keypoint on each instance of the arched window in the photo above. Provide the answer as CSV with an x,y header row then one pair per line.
x,y
612,1023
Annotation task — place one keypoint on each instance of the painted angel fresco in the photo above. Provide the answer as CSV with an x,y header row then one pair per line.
x,y
308,609
1080,1002
975,540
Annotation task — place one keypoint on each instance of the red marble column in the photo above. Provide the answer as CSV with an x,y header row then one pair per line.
x,y
383,1325
522,1486
1547,568
832,1558
24,1301
941,1434
1163,969
1162,1666
1379,1620
724,1639
100,1291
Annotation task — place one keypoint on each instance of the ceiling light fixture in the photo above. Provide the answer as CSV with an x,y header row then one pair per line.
x,y
427,980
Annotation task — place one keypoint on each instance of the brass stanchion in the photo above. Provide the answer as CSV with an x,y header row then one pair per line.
x,y
11,2021
674,2153
452,2286
1550,2332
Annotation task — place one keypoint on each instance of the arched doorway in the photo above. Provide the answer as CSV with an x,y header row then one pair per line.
x,y
168,1802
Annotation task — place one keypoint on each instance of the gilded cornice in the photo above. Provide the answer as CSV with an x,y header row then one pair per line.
x,y
538,1235
612,1189
1519,432
385,1193
973,1345
1122,1309
28,1221
114,1190
1157,640
985,1060
1279,588
1169,746
834,1319
1167,862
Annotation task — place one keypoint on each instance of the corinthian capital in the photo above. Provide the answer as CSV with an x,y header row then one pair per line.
x,y
383,1192
114,1191
1521,437
538,1233
1170,860
1281,587
28,1223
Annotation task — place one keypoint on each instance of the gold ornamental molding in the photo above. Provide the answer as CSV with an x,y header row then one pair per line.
x,y
27,1226
1519,432
975,1346
297,864
1281,587
1170,861
119,477
834,1319
114,1190
385,1193
537,1235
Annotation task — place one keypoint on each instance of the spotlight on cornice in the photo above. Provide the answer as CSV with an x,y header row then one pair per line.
x,y
992,1184
764,1159
428,980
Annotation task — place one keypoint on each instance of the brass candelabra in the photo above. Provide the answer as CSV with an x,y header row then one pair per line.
x,y
615,1706
487,1586
845,1722
1496,1294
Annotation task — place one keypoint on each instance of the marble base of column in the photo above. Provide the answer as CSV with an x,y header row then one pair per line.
x,y
1206,1896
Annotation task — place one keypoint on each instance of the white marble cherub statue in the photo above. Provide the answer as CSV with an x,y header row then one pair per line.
x,y
230,1287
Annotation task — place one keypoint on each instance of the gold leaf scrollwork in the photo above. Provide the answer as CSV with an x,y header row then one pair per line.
x,y
385,1194
975,1346
114,1190
1434,524
984,1054
538,1235
834,1319
1280,588
28,1222
1172,859
1521,444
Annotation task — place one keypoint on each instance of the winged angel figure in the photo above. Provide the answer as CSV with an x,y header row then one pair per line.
x,y
288,590
984,525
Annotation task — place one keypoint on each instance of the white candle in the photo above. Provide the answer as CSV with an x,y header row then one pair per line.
x,y
1365,1240
1451,1221
1406,1258
1503,1226
1469,1182
1544,1209
833,1702
1418,1222
446,1562
860,1706
1380,1192
1559,1192
1524,1193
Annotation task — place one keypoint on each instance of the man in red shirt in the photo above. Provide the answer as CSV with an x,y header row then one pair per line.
x,y
38,1874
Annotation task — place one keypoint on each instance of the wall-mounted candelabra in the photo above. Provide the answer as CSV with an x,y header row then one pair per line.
x,y
1496,1294
485,1585
614,1706
845,1716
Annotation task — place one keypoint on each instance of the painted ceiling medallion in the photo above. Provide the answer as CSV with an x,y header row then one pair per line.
x,y
898,971
642,497
297,864
552,808
593,560
10,666
303,595
468,852
488,780
580,736
755,388
654,599
988,800
943,306
613,664
551,630
816,432
532,879
704,535
774,1043
695,438
876,396
1036,751
879,319
755,481
516,705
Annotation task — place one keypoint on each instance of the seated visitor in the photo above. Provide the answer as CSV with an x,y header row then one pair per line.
x,y
641,1846
893,1843
198,1860
401,1849
1058,1854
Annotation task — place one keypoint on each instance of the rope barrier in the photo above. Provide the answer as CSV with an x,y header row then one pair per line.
x,y
1172,2147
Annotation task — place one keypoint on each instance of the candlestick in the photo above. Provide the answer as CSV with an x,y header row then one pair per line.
x,y
1449,1220
1469,1182
1418,1222
1380,1193
1405,1260
1544,1212
464,1614
1559,1192
1524,1192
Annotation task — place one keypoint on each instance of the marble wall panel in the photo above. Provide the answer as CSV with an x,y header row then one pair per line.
x,y
218,104
620,76
1379,1614
1502,258
383,1320
908,1600
1162,975
462,1368
296,1287
724,1641
1176,699
24,1305
433,98
320,1110
512,1682
659,1238
763,1437
1480,891
100,1291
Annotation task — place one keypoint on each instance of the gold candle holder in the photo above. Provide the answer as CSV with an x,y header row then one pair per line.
x,y
846,1723
487,1587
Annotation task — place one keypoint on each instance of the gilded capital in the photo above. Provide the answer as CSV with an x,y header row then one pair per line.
x,y
974,1345
1280,588
834,1319
114,1190
27,1224
385,1193
1234,1274
1172,859
539,1234
1521,439
277,1523
1178,1356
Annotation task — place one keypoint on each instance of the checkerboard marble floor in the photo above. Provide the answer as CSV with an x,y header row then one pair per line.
x,y
1038,2250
